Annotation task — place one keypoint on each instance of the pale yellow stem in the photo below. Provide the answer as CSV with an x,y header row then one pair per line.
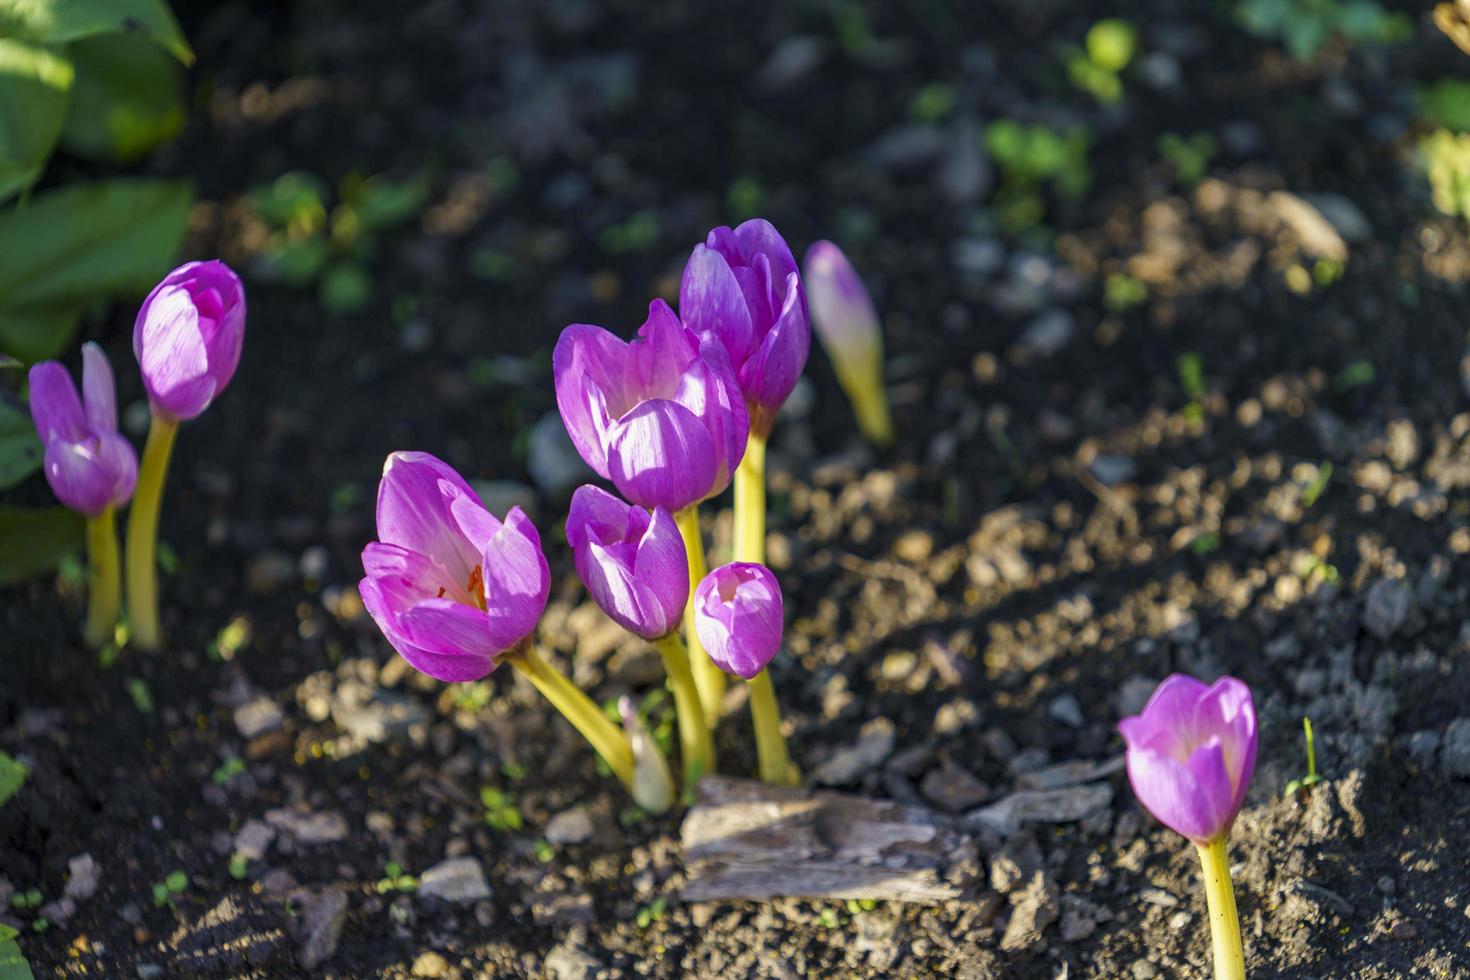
x,y
696,748
142,555
750,546
104,591
606,739
708,678
1224,922
864,388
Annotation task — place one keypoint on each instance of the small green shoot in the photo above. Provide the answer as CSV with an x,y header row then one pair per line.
x,y
1191,369
396,880
1355,375
513,771
1447,103
141,695
172,886
857,906
1311,778
829,917
1030,159
1123,292
228,770
1445,158
28,900
501,812
168,559
239,866
12,776
1189,157
652,912
230,640
545,853
1313,490
1110,46
932,103
1205,544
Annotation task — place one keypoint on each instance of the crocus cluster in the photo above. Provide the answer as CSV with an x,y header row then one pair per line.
x,y
187,338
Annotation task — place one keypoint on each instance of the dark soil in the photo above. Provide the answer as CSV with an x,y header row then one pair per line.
x,y
1063,522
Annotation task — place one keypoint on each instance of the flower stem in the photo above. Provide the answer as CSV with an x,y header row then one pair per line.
x,y
696,748
577,708
708,678
750,545
142,557
869,403
104,591
1224,922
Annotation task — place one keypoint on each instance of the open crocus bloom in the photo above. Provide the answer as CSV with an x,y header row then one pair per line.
x,y
742,287
737,614
89,465
631,560
451,587
188,337
661,417
1191,754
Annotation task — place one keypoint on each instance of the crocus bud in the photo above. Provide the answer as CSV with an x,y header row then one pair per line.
x,y
188,336
631,561
742,287
661,417
653,783
89,465
451,587
737,614
847,324
1191,754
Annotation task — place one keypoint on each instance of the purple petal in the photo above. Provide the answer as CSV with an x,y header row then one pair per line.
x,y
661,455
172,354
713,304
663,570
658,355
769,374
842,312
709,390
99,393
738,617
597,515
587,366
1226,708
403,578
55,407
1191,798
452,630
759,237
76,479
476,523
611,583
517,581
413,511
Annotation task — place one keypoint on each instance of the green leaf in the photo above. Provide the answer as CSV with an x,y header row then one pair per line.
x,y
20,450
34,86
13,965
12,776
126,100
39,333
63,21
69,246
34,540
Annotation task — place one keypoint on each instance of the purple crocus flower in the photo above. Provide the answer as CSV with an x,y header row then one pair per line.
x,y
661,416
847,324
89,465
737,614
451,587
742,286
631,560
188,336
1191,754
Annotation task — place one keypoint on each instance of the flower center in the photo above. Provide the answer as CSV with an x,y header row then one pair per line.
x,y
474,588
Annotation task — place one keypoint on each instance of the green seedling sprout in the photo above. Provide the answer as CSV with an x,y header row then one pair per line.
x,y
166,890
1313,490
1109,48
501,812
1311,778
396,880
652,912
12,776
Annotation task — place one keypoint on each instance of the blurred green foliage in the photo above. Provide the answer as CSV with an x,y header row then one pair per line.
x,y
1097,68
1445,157
1188,156
1447,103
1033,157
1304,26
313,240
